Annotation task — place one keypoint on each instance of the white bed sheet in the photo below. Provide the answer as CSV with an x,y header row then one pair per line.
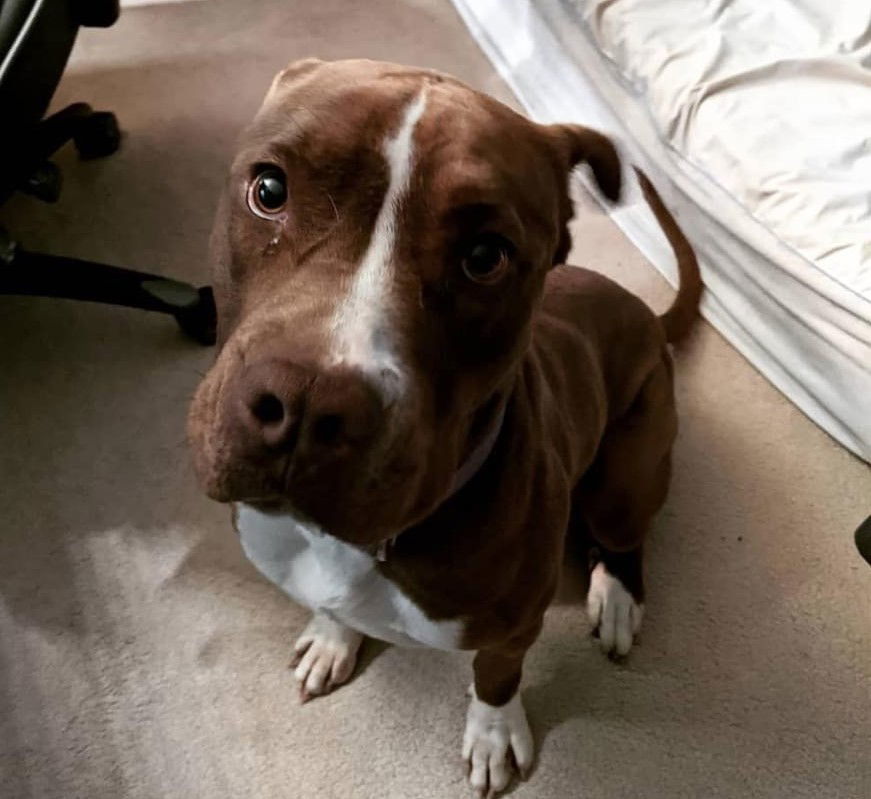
x,y
755,122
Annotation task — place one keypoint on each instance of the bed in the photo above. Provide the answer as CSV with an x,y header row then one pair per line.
x,y
754,119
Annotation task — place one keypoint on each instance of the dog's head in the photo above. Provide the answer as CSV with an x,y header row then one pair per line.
x,y
379,250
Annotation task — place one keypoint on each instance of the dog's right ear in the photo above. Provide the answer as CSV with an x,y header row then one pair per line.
x,y
577,144
291,74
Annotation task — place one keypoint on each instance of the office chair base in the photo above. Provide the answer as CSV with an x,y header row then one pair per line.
x,y
95,134
38,274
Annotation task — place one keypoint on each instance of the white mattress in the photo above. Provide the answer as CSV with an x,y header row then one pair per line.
x,y
754,120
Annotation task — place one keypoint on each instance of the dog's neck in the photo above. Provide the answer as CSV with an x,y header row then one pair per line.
x,y
471,465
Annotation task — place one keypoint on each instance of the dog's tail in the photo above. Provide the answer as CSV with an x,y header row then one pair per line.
x,y
678,320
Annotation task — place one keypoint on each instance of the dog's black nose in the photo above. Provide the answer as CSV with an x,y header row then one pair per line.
x,y
271,403
290,408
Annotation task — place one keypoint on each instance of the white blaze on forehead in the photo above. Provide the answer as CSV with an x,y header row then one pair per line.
x,y
361,330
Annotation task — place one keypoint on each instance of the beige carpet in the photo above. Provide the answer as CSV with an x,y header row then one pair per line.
x,y
142,656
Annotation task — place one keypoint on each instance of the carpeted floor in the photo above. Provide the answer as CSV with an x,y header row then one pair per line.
x,y
142,657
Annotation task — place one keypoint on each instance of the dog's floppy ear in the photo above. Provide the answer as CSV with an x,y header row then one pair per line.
x,y
573,145
579,144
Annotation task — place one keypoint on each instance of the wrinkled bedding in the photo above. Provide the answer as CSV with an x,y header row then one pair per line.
x,y
772,100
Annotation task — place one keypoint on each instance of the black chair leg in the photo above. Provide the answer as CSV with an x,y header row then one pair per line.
x,y
38,274
95,135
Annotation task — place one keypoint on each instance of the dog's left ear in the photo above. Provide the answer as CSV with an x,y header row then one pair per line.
x,y
574,144
578,144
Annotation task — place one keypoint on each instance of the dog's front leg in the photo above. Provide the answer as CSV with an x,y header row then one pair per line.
x,y
497,734
324,655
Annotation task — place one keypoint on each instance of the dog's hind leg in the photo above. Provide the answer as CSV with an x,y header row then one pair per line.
x,y
615,502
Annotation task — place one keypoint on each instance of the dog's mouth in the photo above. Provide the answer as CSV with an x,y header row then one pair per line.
x,y
358,510
358,492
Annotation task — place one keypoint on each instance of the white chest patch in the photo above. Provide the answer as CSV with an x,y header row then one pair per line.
x,y
328,575
361,332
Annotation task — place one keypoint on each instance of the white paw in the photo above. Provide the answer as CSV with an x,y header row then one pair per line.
x,y
612,611
495,739
324,656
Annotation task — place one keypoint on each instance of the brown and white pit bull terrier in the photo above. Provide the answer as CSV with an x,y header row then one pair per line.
x,y
414,403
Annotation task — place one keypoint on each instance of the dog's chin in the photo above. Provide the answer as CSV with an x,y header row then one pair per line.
x,y
362,500
358,525
359,511
363,514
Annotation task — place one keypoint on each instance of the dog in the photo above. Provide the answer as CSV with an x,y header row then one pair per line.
x,y
415,405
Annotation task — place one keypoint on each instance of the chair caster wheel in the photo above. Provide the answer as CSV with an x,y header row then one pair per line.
x,y
97,135
200,319
863,539
44,183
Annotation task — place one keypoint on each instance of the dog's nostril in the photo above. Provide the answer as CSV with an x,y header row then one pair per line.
x,y
268,409
328,428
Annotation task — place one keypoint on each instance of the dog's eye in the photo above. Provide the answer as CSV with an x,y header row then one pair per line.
x,y
486,258
267,194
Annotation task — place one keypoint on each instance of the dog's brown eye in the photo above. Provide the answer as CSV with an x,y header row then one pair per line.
x,y
267,194
487,258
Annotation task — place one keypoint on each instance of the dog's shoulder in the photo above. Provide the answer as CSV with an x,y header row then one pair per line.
x,y
596,308
574,287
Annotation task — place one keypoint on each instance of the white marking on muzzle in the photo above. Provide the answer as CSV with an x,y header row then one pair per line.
x,y
362,330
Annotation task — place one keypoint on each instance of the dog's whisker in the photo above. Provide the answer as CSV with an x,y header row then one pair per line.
x,y
333,203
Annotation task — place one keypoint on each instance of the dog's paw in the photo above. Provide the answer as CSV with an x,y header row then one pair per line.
x,y
613,612
324,656
496,739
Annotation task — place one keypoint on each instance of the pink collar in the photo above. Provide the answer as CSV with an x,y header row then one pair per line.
x,y
468,469
478,456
